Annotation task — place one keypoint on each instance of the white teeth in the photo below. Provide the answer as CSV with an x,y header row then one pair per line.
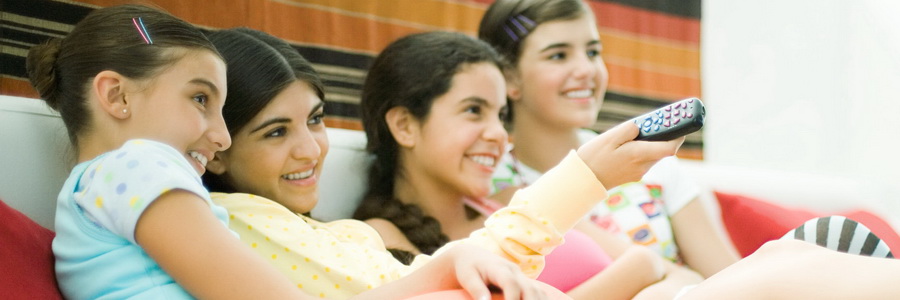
x,y
298,175
580,94
199,157
483,160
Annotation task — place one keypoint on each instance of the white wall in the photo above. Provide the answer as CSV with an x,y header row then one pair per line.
x,y
803,85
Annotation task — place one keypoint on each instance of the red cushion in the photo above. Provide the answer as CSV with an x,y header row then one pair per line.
x,y
751,222
26,258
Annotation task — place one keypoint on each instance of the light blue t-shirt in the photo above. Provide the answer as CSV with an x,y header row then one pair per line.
x,y
97,210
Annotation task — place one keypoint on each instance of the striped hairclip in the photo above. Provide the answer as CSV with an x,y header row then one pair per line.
x,y
518,22
139,25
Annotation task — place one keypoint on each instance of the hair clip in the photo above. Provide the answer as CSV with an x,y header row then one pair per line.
x,y
511,33
526,20
519,26
142,30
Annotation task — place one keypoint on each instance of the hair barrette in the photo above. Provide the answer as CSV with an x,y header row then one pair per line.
x,y
139,25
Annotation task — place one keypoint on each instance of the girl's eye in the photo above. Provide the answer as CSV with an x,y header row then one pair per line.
x,y
201,99
593,53
557,56
316,119
474,109
504,113
277,132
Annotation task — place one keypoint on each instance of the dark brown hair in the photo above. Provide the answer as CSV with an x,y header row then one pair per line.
x,y
507,23
106,39
260,66
411,72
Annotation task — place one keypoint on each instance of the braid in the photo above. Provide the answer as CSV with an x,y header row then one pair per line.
x,y
423,231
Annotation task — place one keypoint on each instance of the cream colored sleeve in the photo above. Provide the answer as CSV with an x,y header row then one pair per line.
x,y
564,194
534,222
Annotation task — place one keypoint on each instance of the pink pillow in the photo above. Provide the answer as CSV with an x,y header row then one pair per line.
x,y
26,258
751,222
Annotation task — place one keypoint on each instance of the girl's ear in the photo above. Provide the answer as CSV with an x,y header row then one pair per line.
x,y
217,164
403,125
513,85
108,88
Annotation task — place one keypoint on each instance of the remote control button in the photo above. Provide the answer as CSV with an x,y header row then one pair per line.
x,y
658,121
646,129
656,128
675,122
667,124
690,115
668,108
668,116
691,100
647,123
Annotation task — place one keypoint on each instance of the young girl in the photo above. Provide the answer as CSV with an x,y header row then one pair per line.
x,y
274,114
432,119
557,84
141,93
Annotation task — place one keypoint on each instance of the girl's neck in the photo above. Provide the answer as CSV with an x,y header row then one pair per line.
x,y
542,147
438,201
92,146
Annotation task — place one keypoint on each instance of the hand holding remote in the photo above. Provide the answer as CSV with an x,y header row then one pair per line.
x,y
671,121
616,158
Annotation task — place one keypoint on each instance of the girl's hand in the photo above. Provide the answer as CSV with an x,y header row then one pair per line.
x,y
476,269
616,158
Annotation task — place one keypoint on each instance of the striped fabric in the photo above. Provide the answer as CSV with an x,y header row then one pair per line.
x,y
651,47
841,234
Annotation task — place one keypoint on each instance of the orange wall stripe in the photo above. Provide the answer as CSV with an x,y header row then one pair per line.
x,y
335,122
651,84
439,14
635,48
644,22
17,87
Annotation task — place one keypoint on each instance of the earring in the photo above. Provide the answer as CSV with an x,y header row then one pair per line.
x,y
124,111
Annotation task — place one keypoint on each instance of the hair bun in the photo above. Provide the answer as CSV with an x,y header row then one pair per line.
x,y
41,67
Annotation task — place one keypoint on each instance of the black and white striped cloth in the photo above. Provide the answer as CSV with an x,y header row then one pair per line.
x,y
841,234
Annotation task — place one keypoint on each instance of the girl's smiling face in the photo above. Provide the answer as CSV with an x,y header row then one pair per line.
x,y
182,107
279,153
561,78
461,140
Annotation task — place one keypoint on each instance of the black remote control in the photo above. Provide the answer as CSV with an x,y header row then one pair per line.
x,y
671,121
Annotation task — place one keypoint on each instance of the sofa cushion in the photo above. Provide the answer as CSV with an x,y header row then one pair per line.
x,y
26,257
750,222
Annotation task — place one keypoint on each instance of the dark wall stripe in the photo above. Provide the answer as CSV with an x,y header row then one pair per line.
x,y
681,8
24,37
47,10
12,65
31,27
337,58
333,108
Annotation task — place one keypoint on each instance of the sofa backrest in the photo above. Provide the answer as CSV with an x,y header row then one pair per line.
x,y
36,157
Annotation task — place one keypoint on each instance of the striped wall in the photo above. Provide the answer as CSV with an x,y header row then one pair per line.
x,y
651,47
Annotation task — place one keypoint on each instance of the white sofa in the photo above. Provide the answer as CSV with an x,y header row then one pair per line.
x,y
35,157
